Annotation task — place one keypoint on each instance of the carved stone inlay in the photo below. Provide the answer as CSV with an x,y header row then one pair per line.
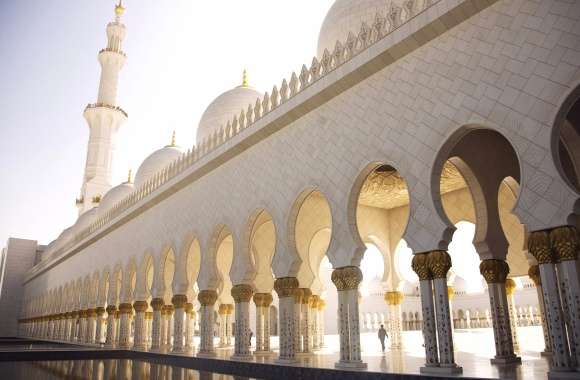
x,y
179,300
565,242
539,247
242,293
494,271
286,286
421,267
157,304
347,278
394,298
439,263
207,297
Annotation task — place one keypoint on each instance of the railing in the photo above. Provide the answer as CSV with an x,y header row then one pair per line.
x,y
103,105
343,52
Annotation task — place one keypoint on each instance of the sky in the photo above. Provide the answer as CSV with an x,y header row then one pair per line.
x,y
181,55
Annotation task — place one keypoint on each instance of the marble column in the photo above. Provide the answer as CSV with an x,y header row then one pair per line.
x,y
421,267
565,241
439,264
81,338
207,300
263,301
321,307
125,312
286,287
347,280
510,288
189,326
91,326
306,322
495,272
534,274
540,246
298,294
100,328
169,311
110,334
228,324
148,327
179,301
156,329
242,294
71,326
315,320
139,342
394,301
222,315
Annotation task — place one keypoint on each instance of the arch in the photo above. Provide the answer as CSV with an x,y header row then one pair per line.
x,y
481,158
190,260
166,274
260,245
218,263
145,275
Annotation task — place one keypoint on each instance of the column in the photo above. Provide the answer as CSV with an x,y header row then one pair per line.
x,y
394,301
242,294
285,288
222,312
91,326
189,326
510,288
540,247
347,280
495,273
298,294
534,274
314,300
148,327
100,328
169,310
156,330
228,324
566,244
263,302
321,307
421,267
179,301
139,342
439,264
72,326
207,300
305,322
111,328
125,311
82,326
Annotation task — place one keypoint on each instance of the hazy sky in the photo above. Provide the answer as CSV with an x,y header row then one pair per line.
x,y
181,55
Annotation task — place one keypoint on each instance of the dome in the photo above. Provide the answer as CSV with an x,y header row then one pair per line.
x,y
115,195
85,220
347,16
224,108
156,162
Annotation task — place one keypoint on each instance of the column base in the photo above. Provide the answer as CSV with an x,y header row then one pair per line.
x,y
264,353
556,375
142,347
545,354
243,358
206,354
285,361
304,354
451,370
359,364
502,360
178,350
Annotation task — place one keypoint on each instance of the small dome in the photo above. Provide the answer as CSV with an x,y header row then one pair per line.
x,y
85,220
115,195
224,108
347,16
156,162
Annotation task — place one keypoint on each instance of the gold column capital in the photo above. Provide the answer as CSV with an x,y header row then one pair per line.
x,y
421,266
534,274
157,304
394,298
494,271
242,293
510,286
539,246
564,240
263,299
125,308
179,300
207,297
140,306
347,278
439,263
111,309
285,286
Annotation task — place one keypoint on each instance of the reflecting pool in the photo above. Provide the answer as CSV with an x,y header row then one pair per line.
x,y
110,369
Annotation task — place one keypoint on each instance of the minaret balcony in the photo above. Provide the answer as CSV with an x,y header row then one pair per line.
x,y
109,50
105,106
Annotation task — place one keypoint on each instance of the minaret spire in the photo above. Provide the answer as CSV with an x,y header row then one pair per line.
x,y
104,117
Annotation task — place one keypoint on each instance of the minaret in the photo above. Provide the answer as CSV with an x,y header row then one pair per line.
x,y
104,118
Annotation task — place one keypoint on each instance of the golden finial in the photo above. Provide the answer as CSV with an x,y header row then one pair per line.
x,y
129,179
245,78
119,10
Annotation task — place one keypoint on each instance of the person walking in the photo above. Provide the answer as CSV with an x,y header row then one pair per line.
x,y
382,335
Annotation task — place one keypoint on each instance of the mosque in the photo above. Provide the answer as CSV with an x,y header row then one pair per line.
x,y
422,172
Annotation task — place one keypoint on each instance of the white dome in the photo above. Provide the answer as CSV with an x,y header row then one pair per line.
x,y
224,108
156,162
115,195
85,220
347,16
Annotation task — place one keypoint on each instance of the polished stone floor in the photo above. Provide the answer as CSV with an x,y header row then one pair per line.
x,y
474,349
